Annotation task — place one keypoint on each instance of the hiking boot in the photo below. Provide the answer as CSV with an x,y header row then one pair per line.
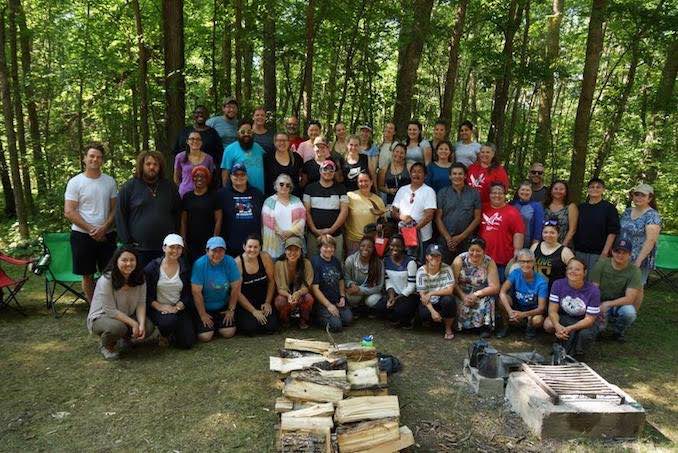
x,y
530,333
502,333
108,354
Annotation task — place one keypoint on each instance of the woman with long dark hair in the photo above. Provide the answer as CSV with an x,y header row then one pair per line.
x,y
283,160
294,277
394,175
438,172
557,206
118,309
364,273
418,148
466,149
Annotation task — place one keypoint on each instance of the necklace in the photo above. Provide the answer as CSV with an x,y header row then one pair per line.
x,y
153,189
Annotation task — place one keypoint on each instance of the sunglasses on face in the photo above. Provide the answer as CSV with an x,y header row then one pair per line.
x,y
639,194
524,261
285,184
327,170
536,172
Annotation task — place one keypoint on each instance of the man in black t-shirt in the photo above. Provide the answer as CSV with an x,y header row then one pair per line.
x,y
211,142
326,205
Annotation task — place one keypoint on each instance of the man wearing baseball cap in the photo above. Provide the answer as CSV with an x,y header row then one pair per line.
x,y
215,284
620,284
226,125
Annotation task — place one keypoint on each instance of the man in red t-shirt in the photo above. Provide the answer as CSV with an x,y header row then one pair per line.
x,y
502,228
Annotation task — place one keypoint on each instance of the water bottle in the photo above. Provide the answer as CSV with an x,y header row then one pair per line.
x,y
367,341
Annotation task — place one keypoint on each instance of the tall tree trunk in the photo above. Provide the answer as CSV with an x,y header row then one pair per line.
x,y
620,108
582,122
19,110
501,90
248,52
175,85
8,114
227,56
270,82
237,6
473,96
414,28
453,64
25,40
332,92
134,120
543,140
307,86
664,104
142,76
350,54
7,191
213,49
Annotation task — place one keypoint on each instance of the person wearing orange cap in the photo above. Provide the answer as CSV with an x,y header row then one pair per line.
x,y
201,214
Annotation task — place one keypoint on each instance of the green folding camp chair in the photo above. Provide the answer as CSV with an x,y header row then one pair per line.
x,y
61,284
666,264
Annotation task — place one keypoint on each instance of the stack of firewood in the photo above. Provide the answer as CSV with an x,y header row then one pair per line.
x,y
335,399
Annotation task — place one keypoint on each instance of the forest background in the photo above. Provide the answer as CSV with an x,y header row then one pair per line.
x,y
585,86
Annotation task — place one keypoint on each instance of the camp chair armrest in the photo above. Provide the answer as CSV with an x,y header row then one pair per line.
x,y
14,261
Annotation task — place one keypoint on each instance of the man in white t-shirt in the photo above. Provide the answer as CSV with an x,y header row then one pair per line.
x,y
90,206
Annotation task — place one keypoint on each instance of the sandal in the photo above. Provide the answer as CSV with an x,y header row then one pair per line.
x,y
449,336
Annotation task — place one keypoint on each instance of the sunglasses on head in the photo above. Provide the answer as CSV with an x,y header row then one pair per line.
x,y
550,223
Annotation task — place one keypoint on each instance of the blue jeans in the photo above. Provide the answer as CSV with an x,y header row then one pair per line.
x,y
620,318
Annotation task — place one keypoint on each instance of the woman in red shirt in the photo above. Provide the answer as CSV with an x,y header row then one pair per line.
x,y
485,171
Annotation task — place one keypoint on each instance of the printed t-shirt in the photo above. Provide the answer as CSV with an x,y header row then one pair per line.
x,y
576,302
253,160
526,294
497,227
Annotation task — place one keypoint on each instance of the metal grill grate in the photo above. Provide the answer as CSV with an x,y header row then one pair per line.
x,y
574,381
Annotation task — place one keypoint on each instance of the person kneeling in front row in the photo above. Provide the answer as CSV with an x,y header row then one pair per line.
x,y
294,278
331,309
435,283
118,309
215,284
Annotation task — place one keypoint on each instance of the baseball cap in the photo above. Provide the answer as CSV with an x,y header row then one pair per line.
x,y
215,243
434,249
173,239
366,126
643,188
238,167
328,163
294,240
230,100
622,244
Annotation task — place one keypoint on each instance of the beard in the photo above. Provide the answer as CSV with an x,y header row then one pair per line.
x,y
246,142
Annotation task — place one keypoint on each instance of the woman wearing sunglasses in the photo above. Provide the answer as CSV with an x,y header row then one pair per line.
x,y
551,257
283,216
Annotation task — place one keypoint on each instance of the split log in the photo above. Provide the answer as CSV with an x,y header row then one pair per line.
x,y
363,377
383,378
321,377
318,441
372,391
315,410
309,391
283,405
352,366
306,423
319,347
283,365
405,440
353,351
367,435
367,408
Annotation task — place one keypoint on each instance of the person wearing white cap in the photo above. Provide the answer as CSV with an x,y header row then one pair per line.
x,y
215,285
168,295
641,225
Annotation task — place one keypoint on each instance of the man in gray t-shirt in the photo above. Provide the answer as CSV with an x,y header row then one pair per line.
x,y
458,213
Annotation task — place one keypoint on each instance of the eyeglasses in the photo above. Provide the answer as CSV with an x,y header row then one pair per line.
x,y
550,223
327,170
245,132
536,172
525,261
639,194
285,184
194,139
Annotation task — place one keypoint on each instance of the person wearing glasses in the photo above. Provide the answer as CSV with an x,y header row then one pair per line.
x,y
522,298
282,216
477,286
551,257
641,225
211,142
245,151
186,161
597,225
537,182
283,160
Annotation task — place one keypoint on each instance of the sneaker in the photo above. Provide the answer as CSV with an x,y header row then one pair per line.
x,y
108,354
530,333
502,333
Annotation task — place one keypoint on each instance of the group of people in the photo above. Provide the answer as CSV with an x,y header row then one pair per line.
x,y
260,229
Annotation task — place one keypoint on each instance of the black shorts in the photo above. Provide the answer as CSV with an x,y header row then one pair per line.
x,y
217,320
90,255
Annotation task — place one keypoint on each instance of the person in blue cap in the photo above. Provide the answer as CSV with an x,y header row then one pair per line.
x,y
215,284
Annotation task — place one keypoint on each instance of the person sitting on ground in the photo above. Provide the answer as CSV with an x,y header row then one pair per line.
x,y
477,286
254,314
331,309
523,297
294,278
168,295
400,303
620,283
282,216
532,213
118,309
364,274
551,257
435,284
215,284
573,309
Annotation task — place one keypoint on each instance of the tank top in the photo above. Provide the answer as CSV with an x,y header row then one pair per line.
x,y
395,181
254,286
551,265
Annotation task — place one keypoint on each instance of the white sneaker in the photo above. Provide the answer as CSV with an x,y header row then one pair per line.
x,y
109,355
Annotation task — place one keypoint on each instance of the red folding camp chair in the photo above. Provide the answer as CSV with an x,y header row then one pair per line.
x,y
10,287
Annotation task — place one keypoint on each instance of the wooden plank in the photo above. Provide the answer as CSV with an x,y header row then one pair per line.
x,y
314,410
378,391
309,391
317,377
405,440
283,404
535,377
352,365
363,377
283,365
383,378
353,352
302,423
319,347
367,408
366,435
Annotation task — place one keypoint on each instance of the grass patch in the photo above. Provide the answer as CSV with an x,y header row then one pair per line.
x,y
59,394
